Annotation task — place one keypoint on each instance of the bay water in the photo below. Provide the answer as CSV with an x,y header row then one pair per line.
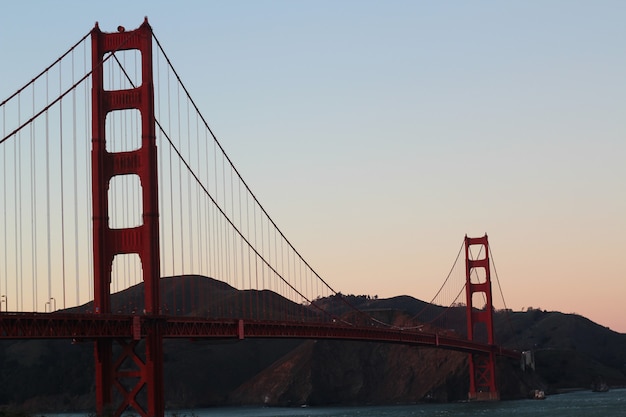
x,y
574,404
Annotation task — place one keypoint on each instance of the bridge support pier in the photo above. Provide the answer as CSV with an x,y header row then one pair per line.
x,y
482,378
482,367
103,352
135,377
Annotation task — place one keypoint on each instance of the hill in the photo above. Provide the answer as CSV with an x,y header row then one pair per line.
x,y
570,352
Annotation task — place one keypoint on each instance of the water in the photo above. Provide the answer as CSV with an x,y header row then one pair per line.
x,y
576,404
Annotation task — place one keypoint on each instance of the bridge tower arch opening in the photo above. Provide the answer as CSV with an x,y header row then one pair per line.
x,y
134,377
479,305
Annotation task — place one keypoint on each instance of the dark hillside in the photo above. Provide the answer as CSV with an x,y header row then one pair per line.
x,y
585,350
570,351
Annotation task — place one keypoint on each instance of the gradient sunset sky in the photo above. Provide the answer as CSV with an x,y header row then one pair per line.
x,y
378,134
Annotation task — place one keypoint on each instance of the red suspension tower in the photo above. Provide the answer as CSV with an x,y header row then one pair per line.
x,y
136,374
482,368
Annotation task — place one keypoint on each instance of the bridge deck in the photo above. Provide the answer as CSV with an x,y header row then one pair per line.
x,y
92,326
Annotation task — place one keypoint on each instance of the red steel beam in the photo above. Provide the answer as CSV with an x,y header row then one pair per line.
x,y
99,326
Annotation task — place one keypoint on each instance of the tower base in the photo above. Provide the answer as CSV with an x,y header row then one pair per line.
x,y
484,396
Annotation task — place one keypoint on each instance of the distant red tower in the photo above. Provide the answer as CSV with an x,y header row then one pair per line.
x,y
482,368
132,375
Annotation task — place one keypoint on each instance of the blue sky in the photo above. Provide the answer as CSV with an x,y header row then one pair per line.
x,y
378,134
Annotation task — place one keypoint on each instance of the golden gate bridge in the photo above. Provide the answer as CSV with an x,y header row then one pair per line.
x,y
155,208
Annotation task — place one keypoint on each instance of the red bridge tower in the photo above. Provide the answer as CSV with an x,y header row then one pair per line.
x,y
482,368
136,375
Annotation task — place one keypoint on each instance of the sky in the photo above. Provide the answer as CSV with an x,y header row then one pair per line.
x,y
378,134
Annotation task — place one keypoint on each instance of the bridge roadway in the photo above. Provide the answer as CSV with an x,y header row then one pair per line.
x,y
94,326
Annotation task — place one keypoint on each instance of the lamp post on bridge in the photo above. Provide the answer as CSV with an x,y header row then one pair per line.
x,y
50,303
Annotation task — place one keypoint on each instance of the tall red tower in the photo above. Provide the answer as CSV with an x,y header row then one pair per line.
x,y
482,368
136,374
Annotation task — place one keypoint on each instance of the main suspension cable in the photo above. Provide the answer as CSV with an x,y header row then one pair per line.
x,y
45,70
277,229
430,304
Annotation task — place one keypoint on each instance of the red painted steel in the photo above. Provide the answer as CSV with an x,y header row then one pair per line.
x,y
98,326
142,240
482,367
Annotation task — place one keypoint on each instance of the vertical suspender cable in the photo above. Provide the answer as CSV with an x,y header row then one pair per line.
x,y
75,167
310,286
302,284
160,150
17,197
189,198
162,198
279,285
217,228
21,225
289,275
294,279
210,229
241,254
194,288
33,206
209,246
169,118
48,194
256,263
62,187
283,287
233,232
199,227
4,217
297,283
217,237
267,286
88,191
226,250
223,230
249,257
262,228
232,239
180,205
